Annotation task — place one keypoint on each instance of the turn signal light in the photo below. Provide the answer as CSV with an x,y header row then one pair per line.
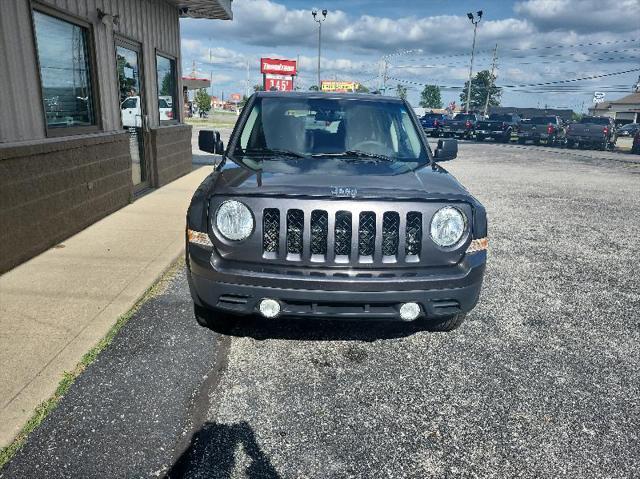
x,y
480,244
199,238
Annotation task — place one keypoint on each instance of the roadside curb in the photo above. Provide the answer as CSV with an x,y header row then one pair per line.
x,y
59,305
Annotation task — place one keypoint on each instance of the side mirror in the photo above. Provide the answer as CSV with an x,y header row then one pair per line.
x,y
446,150
209,141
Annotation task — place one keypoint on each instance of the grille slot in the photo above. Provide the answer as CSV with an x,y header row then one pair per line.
x,y
379,239
367,233
390,233
295,227
271,230
343,233
319,232
413,243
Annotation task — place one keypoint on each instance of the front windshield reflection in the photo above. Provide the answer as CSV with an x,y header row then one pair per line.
x,y
328,134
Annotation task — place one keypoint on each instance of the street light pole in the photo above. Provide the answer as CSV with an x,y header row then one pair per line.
x,y
473,49
319,20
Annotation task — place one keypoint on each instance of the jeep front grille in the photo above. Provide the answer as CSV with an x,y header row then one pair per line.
x,y
330,235
271,230
295,225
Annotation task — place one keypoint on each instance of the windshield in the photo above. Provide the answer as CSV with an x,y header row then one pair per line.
x,y
506,118
595,120
543,120
320,133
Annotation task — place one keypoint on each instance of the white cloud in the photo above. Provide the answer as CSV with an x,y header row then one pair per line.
x,y
582,16
535,43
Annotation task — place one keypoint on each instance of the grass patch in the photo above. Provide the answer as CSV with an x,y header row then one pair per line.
x,y
69,377
217,119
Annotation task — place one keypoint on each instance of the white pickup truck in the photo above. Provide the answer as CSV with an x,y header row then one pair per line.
x,y
132,113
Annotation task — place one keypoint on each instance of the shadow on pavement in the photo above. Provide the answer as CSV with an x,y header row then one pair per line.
x,y
213,452
313,329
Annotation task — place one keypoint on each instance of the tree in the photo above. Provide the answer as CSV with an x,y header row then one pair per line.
x,y
401,91
258,87
482,84
362,89
202,100
430,97
314,88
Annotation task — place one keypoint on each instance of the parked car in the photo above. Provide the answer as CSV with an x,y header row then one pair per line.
x,y
592,131
636,143
498,127
131,112
432,123
461,125
541,128
349,219
166,112
630,129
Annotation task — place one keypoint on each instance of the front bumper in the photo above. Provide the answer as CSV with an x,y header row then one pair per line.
x,y
442,292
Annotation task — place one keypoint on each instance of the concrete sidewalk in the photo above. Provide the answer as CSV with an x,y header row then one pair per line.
x,y
57,306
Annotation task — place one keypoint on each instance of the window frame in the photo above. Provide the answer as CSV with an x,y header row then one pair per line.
x,y
177,114
93,71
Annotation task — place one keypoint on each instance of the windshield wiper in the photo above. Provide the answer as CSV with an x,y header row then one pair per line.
x,y
266,153
356,155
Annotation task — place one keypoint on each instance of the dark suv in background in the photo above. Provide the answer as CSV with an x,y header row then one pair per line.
x,y
432,123
462,125
497,127
333,206
547,129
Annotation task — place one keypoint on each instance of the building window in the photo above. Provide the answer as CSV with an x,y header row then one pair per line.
x,y
167,99
65,73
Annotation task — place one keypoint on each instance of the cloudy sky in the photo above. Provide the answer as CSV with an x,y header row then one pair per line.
x,y
429,41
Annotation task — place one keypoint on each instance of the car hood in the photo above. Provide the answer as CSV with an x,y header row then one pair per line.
x,y
429,182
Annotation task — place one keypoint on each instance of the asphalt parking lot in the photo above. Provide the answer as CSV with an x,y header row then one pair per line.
x,y
543,380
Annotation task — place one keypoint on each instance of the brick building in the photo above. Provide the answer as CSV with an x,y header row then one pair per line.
x,y
90,113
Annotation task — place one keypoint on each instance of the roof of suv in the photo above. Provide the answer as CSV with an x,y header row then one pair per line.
x,y
332,95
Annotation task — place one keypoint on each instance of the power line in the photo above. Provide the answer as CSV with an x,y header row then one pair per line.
x,y
529,85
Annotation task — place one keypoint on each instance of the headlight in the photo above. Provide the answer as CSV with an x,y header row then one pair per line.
x,y
234,220
447,226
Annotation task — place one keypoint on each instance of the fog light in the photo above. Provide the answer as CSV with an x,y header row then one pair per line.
x,y
409,311
269,308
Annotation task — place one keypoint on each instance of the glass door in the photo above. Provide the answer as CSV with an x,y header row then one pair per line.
x,y
132,108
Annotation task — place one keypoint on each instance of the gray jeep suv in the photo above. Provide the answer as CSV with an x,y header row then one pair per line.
x,y
333,206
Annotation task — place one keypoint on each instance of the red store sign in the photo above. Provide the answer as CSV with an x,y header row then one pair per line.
x,y
277,67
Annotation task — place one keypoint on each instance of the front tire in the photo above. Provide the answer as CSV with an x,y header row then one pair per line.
x,y
447,323
479,138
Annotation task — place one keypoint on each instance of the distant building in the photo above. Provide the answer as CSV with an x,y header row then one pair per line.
x,y
625,110
564,114
92,112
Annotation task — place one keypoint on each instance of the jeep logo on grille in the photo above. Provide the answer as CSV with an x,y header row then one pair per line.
x,y
344,191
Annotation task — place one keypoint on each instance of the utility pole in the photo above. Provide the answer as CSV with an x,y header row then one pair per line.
x,y
210,73
193,68
473,50
385,76
246,88
491,79
319,20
